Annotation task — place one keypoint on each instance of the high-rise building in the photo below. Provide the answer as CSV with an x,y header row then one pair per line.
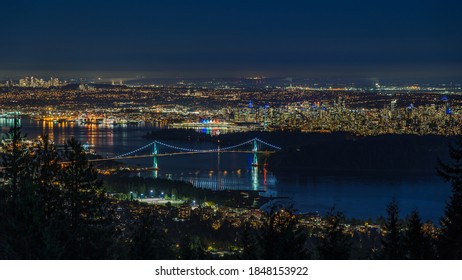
x,y
36,82
393,104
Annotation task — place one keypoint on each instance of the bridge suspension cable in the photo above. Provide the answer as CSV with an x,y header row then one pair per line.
x,y
135,151
268,144
197,150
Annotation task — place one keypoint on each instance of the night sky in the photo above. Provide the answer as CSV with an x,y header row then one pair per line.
x,y
414,40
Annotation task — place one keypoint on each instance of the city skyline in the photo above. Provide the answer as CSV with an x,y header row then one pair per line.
x,y
412,41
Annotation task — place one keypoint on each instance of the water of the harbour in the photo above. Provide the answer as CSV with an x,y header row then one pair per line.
x,y
357,196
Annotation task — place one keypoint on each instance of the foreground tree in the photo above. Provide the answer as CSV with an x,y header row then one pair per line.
x,y
281,237
28,231
191,248
149,241
392,242
15,160
250,246
418,245
450,239
335,243
45,172
88,211
51,209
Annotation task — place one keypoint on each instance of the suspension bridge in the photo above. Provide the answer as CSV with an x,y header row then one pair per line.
x,y
157,149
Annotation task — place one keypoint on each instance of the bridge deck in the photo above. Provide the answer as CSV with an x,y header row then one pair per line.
x,y
174,154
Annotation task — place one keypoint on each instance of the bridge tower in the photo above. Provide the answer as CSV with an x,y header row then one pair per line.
x,y
155,172
154,152
255,152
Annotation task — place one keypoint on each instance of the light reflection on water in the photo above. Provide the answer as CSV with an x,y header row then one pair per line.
x,y
253,179
358,196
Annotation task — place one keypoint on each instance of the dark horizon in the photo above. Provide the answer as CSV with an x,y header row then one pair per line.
x,y
127,79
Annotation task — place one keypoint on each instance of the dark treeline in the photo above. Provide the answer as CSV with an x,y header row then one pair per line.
x,y
51,211
54,206
123,182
